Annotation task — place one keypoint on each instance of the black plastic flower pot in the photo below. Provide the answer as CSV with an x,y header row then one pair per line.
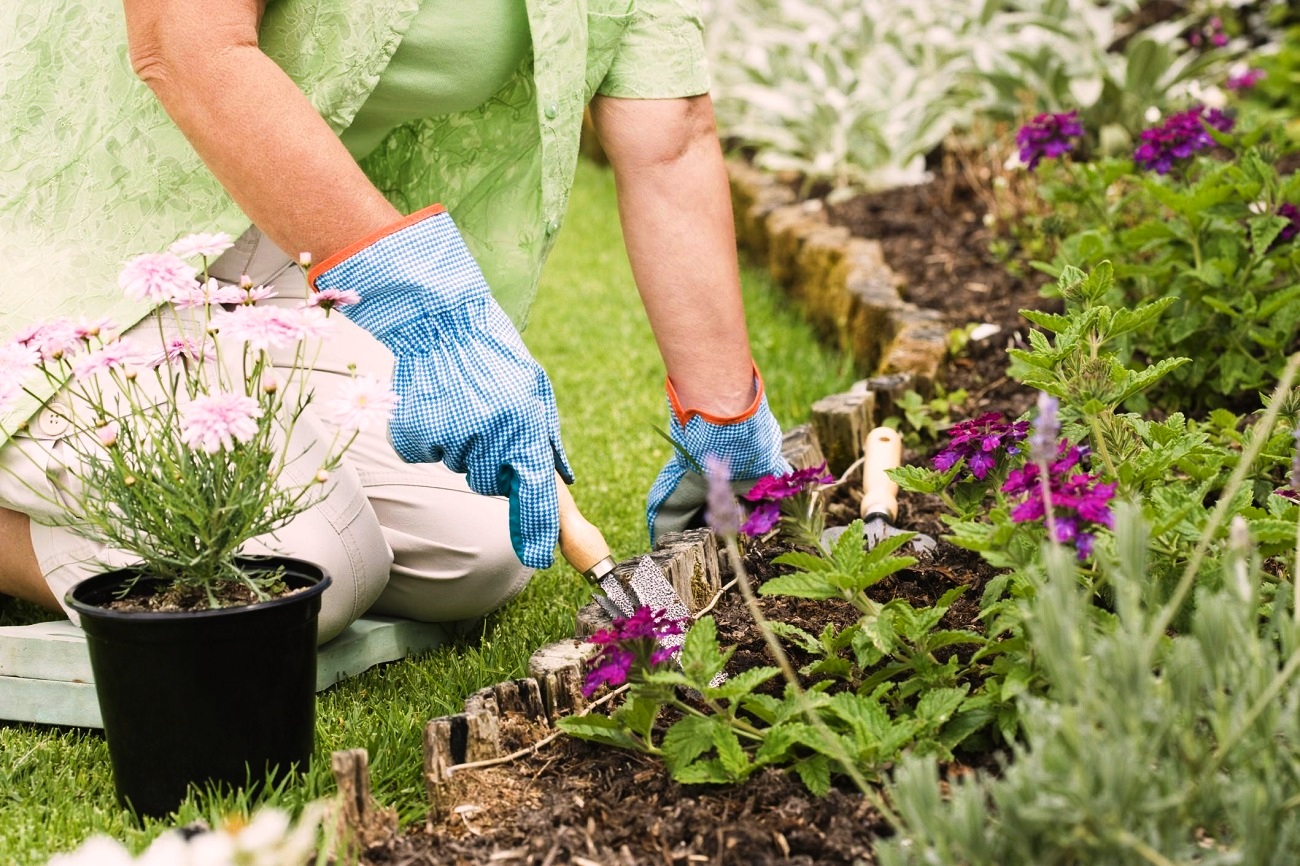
x,y
225,697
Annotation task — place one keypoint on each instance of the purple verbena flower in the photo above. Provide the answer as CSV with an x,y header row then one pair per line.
x,y
770,491
1179,137
630,646
1080,503
1292,213
980,442
1048,135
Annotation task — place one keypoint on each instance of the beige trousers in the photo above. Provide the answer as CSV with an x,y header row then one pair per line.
x,y
403,539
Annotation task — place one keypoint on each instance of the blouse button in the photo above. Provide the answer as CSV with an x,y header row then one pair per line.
x,y
551,111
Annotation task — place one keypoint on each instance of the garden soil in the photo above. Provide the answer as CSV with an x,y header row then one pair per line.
x,y
576,803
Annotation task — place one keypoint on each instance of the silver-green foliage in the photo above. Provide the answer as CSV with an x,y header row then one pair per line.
x,y
860,91
1147,748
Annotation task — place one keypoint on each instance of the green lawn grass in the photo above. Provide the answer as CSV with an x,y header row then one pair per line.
x,y
589,331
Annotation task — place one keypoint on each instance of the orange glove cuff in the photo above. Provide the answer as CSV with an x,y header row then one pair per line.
x,y
684,415
357,246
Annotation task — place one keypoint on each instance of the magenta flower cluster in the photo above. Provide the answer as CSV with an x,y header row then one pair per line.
x,y
1213,33
1179,137
770,490
1080,503
1048,135
632,644
980,442
1245,80
1292,228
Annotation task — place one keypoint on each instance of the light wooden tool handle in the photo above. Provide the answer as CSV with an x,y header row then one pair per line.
x,y
581,543
884,450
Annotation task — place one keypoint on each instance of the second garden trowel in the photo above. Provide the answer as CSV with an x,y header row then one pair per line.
x,y
883,451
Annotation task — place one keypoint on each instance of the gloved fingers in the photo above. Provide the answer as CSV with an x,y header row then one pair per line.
x,y
534,510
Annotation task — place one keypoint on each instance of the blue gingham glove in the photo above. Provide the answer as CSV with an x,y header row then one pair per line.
x,y
750,443
471,396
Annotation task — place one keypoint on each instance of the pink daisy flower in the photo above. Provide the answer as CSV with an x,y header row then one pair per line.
x,y
218,421
113,355
207,294
260,327
17,360
176,349
102,328
156,277
10,391
328,299
363,401
253,294
201,244
53,340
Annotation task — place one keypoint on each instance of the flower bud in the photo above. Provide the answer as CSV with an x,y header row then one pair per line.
x,y
245,282
269,383
107,434
322,476
304,259
129,480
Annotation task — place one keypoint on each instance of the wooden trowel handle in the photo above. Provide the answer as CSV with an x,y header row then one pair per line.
x,y
884,450
581,543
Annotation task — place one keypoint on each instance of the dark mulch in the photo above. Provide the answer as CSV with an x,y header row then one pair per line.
x,y
575,803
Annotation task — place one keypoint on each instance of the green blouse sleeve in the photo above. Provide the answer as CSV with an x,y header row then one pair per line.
x,y
661,54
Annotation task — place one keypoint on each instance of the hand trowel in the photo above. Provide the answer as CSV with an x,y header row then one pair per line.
x,y
883,449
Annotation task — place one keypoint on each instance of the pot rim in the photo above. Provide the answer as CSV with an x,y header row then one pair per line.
x,y
301,567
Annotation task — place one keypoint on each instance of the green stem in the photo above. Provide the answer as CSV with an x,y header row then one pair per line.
x,y
1100,442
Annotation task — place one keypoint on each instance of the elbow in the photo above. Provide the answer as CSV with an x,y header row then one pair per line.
x,y
165,56
647,134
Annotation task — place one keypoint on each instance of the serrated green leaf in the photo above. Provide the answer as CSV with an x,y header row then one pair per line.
x,y
687,739
741,684
702,658
730,753
599,729
800,585
937,705
805,641
710,772
815,773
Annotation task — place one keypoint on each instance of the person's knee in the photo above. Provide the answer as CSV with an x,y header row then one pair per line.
x,y
448,580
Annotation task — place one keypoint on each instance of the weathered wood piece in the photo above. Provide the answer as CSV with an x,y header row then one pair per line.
x,y
841,422
438,760
45,674
800,447
591,618
366,822
482,735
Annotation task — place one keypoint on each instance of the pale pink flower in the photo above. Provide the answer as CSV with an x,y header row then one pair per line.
x,y
253,294
207,294
110,356
176,349
10,391
313,323
260,327
328,299
216,422
53,340
362,401
201,244
17,360
102,328
107,434
156,277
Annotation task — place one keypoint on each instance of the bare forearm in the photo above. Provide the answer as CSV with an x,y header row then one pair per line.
x,y
254,129
675,208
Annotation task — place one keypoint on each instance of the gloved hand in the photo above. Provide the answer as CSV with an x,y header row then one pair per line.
x,y
750,442
470,394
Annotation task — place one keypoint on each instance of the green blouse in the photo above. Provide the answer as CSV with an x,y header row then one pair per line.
x,y
92,171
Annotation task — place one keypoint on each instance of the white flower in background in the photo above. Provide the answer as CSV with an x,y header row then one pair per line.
x,y
156,277
1152,115
361,402
268,839
218,421
208,246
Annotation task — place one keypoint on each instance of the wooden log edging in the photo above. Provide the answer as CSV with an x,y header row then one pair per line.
x,y
847,290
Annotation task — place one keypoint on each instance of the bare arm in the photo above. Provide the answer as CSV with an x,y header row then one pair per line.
x,y
675,207
252,126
